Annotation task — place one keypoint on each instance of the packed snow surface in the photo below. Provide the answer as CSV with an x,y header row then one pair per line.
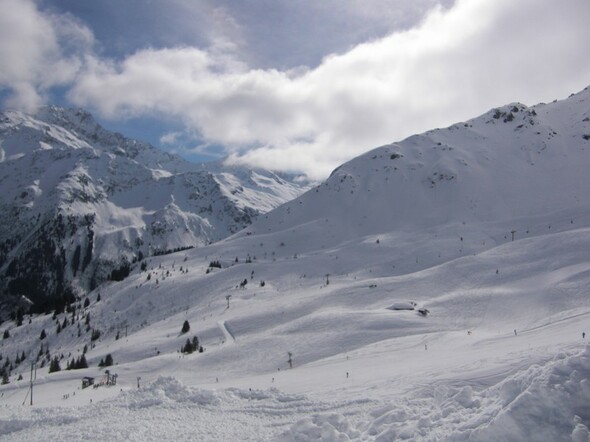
x,y
487,232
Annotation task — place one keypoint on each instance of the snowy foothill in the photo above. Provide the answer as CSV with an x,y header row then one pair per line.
x,y
312,318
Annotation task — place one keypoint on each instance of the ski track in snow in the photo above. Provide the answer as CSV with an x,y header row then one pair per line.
x,y
229,337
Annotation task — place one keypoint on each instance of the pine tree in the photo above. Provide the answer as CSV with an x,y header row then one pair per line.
x,y
108,360
83,362
6,334
54,365
185,327
187,348
191,346
95,334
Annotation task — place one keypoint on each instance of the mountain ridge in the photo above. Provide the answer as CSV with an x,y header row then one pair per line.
x,y
488,168
110,200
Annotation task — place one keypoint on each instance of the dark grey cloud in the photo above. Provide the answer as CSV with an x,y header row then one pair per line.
x,y
280,34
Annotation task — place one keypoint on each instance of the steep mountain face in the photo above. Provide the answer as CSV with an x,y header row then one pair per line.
x,y
512,163
78,202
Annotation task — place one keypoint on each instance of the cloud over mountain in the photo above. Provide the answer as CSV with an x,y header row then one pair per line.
x,y
456,62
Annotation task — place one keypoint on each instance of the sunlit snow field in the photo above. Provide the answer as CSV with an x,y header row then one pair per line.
x,y
485,224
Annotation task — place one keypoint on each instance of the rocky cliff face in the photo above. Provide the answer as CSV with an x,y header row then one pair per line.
x,y
80,204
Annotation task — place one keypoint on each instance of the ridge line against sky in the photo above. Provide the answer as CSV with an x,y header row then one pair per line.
x,y
295,86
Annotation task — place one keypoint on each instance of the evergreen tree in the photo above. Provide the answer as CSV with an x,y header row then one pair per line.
x,y
86,302
108,360
6,334
19,317
54,365
43,335
191,346
187,348
185,327
95,334
82,363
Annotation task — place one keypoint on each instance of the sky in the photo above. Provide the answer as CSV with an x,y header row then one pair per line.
x,y
292,85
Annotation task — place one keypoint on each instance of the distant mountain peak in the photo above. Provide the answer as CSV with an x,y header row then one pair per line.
x,y
98,201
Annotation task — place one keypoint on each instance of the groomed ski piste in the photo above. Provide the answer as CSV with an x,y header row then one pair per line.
x,y
498,356
360,372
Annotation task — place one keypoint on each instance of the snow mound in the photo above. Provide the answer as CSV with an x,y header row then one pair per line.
x,y
167,409
544,402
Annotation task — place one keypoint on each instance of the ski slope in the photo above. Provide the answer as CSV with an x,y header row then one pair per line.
x,y
460,373
503,271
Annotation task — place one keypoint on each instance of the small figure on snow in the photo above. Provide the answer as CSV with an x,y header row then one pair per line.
x,y
515,332
583,335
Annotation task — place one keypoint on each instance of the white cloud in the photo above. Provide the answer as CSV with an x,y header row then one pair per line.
x,y
170,138
456,64
38,51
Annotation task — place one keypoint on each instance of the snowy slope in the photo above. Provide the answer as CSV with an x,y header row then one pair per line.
x,y
510,163
500,356
79,201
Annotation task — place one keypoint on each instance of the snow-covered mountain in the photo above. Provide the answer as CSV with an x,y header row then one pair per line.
x,y
78,202
512,163
431,289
